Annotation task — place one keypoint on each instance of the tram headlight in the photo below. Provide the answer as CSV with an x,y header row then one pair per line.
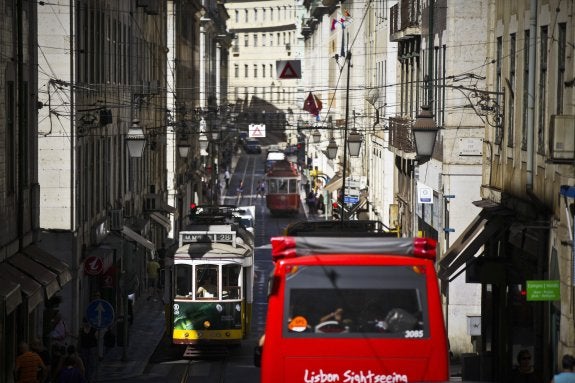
x,y
207,324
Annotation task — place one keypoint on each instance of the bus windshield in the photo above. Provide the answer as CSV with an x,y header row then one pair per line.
x,y
352,301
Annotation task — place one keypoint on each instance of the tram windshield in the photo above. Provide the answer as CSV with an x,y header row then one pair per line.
x,y
282,186
206,282
338,301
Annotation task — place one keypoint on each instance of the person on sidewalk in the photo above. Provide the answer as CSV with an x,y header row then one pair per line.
x,y
153,269
524,372
29,366
567,375
70,373
88,348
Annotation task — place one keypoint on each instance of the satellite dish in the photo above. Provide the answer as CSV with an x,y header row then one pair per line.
x,y
372,96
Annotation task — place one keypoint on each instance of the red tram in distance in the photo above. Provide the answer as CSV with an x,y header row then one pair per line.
x,y
283,186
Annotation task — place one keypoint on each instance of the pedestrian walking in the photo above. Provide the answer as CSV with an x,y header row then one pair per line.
x,y
240,191
38,347
153,272
29,367
567,374
227,178
88,348
70,373
78,363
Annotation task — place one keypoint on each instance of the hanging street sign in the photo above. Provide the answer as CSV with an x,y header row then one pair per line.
x,y
257,130
288,69
93,265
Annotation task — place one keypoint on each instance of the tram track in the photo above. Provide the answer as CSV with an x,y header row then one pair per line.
x,y
212,371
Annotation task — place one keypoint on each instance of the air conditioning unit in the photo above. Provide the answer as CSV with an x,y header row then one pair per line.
x,y
562,137
116,219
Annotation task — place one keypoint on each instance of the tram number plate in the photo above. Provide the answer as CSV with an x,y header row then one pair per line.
x,y
207,237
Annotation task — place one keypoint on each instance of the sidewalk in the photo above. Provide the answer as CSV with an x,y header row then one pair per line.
x,y
145,334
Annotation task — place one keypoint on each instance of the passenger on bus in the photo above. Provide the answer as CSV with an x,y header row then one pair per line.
x,y
333,322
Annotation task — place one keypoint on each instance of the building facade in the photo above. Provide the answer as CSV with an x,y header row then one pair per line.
x,y
103,210
265,32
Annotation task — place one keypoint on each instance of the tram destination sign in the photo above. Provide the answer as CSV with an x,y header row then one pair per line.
x,y
207,236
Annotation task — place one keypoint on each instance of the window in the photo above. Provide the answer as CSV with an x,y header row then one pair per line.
x,y
246,18
255,70
525,102
255,40
246,74
511,113
255,14
542,91
264,38
498,132
207,282
236,70
561,48
246,40
383,301
10,161
264,70
184,281
231,286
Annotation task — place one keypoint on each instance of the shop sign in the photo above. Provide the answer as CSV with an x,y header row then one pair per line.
x,y
543,290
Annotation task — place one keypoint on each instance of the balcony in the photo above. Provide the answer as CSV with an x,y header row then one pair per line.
x,y
405,20
400,137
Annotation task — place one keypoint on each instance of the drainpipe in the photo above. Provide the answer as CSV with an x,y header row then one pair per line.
x,y
531,95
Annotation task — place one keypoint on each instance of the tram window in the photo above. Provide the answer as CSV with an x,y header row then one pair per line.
x,y
207,281
283,186
272,186
231,281
184,286
292,186
381,301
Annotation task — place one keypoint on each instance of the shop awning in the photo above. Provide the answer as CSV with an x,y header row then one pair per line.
x,y
10,294
479,231
132,235
167,208
334,184
32,290
51,262
161,220
35,270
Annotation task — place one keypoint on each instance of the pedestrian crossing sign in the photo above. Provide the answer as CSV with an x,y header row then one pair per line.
x,y
257,130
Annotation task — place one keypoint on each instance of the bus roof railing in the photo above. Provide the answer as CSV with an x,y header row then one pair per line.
x,y
291,247
340,228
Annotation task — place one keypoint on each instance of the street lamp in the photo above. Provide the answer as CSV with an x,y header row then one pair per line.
x,y
424,131
316,135
203,142
135,140
331,149
184,150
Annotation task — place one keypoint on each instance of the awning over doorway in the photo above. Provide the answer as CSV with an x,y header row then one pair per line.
x,y
32,290
479,231
167,208
132,235
334,184
51,262
41,274
10,294
161,220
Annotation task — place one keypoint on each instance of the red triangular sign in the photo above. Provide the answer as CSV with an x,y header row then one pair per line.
x,y
257,132
288,72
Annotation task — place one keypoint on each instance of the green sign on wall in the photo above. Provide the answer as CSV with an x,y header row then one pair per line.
x,y
543,291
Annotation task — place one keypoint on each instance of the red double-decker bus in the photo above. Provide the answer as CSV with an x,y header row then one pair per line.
x,y
353,308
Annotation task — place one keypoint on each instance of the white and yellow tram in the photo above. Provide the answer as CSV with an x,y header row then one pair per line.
x,y
212,285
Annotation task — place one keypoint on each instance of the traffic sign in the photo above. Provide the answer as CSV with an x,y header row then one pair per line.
x,y
100,314
288,69
256,130
93,265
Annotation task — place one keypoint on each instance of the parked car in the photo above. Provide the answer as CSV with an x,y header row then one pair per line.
x,y
252,146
